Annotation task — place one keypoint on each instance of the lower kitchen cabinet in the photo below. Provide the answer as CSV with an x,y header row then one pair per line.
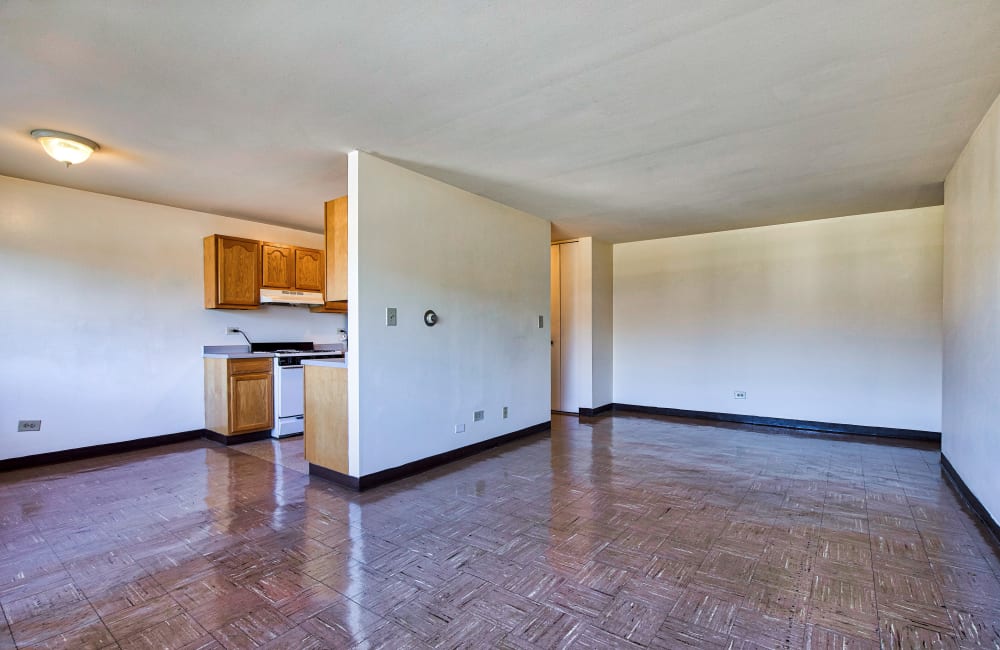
x,y
326,417
239,397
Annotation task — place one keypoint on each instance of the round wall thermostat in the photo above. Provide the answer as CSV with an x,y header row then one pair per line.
x,y
430,318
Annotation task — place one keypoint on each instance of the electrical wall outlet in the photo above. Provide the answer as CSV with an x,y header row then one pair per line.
x,y
739,394
504,412
29,425
459,428
232,330
478,416
390,316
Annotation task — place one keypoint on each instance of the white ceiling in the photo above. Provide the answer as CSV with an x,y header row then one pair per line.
x,y
622,120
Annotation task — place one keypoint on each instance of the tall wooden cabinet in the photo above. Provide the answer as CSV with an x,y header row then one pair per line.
x,y
336,247
232,273
336,256
239,397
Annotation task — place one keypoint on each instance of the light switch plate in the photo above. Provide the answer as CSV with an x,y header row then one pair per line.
x,y
390,316
541,322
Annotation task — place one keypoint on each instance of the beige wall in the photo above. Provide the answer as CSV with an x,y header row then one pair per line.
x,y
602,276
833,321
103,319
586,318
971,434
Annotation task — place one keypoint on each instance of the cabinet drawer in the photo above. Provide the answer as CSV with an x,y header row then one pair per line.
x,y
244,366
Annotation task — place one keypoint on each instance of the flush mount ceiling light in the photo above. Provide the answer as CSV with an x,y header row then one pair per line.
x,y
65,147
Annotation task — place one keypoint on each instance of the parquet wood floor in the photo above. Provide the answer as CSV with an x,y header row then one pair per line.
x,y
613,532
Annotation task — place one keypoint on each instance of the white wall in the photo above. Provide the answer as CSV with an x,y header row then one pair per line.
x,y
833,321
419,244
972,314
103,320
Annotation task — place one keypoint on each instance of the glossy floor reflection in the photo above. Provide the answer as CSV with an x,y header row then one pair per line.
x,y
613,532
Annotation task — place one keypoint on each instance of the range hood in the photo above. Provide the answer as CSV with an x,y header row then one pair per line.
x,y
290,297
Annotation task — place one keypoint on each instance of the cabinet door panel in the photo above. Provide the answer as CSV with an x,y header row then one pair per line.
x,y
308,269
277,266
239,272
251,402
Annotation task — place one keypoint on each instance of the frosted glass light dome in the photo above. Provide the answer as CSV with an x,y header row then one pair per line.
x,y
65,147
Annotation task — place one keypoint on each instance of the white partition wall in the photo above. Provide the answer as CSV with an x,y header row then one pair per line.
x,y
970,438
419,244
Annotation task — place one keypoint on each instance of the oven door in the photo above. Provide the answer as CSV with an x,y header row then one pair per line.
x,y
291,394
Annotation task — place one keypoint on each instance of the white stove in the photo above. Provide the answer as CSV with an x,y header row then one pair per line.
x,y
289,393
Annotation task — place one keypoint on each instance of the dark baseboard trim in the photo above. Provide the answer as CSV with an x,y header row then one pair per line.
x,y
424,464
973,502
802,425
349,482
585,412
239,438
81,453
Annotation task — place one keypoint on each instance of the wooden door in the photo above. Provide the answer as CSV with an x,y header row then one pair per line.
x,y
251,402
278,266
309,269
336,249
554,325
238,269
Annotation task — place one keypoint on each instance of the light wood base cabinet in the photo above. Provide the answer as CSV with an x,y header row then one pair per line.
x,y
239,395
326,417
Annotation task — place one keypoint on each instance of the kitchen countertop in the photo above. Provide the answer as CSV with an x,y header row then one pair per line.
x,y
243,351
324,363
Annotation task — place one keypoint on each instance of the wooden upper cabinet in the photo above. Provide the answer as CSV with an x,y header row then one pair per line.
x,y
291,267
277,265
336,249
309,269
232,273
